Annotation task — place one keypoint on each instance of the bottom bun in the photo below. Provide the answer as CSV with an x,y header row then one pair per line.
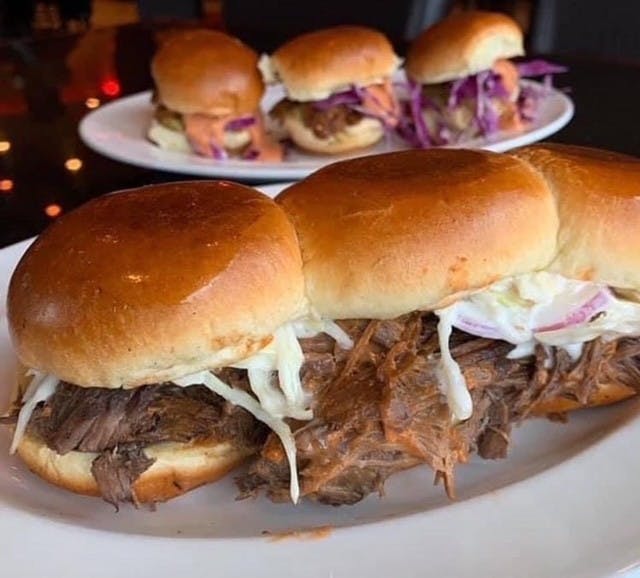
x,y
178,467
173,140
165,138
607,393
366,132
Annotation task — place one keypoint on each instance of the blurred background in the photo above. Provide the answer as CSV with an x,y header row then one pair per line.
x,y
61,59
586,27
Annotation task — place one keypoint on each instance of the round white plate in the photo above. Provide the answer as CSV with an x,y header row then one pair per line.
x,y
563,504
117,130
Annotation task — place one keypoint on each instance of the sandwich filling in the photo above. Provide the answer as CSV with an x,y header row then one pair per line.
x,y
482,104
329,117
218,137
426,389
218,406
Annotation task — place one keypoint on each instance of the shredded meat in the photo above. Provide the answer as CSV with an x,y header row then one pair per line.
x,y
378,408
323,123
119,423
115,472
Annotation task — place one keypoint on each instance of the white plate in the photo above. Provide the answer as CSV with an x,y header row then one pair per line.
x,y
563,504
117,130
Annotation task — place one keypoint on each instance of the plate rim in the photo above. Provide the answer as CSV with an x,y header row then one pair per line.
x,y
587,471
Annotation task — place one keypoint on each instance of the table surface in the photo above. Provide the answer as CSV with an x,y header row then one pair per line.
x,y
47,86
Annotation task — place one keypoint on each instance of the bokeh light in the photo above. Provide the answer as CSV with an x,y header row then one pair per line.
x,y
92,102
5,146
53,210
6,185
73,164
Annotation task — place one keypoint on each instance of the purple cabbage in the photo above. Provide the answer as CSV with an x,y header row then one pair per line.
x,y
348,97
238,124
483,88
218,152
354,99
539,67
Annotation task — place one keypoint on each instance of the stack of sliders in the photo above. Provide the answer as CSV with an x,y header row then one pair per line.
x,y
463,85
337,81
387,312
479,290
208,92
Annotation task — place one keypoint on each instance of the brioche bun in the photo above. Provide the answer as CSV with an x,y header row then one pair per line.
x,y
207,72
178,467
152,284
385,235
598,198
462,44
366,132
315,65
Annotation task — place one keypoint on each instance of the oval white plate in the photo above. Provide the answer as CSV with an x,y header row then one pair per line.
x,y
563,504
118,130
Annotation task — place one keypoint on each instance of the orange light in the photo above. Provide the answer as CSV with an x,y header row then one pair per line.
x,y
53,210
6,185
92,102
73,165
110,87
5,146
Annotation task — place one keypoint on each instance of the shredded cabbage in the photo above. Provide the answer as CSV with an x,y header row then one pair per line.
x,y
311,327
246,401
354,98
484,90
41,388
535,308
452,382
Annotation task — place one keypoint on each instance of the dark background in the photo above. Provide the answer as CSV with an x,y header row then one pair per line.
x,y
59,59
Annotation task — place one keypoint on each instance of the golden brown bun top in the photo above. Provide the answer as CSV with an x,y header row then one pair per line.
x,y
463,44
598,195
155,283
317,64
388,234
208,72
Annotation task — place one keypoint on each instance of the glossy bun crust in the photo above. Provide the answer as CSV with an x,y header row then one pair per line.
x,y
315,65
463,44
151,284
207,72
598,197
385,235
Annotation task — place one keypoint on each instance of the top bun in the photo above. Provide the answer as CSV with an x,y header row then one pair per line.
x,y
207,72
463,44
598,197
317,64
152,284
388,234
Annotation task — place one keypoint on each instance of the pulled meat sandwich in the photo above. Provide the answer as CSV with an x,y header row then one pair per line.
x,y
153,325
462,83
338,88
208,92
478,290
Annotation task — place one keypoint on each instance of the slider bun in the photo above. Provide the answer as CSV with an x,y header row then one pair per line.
x,y
598,196
463,44
367,132
168,139
388,234
317,64
207,72
151,284
179,467
606,394
173,140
